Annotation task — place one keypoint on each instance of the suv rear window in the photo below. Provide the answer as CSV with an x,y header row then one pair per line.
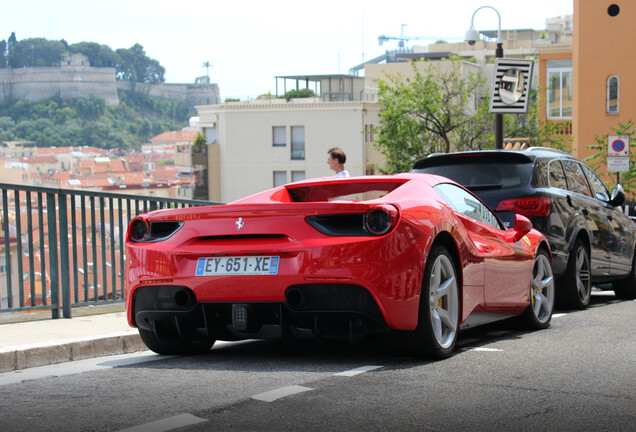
x,y
479,172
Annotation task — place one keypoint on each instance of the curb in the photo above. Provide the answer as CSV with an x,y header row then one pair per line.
x,y
28,356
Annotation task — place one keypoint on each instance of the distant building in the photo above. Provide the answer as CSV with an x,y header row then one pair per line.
x,y
17,148
264,143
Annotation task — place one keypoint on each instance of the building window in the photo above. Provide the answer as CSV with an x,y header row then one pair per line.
x,y
560,89
612,95
280,178
298,176
368,133
298,142
279,136
210,134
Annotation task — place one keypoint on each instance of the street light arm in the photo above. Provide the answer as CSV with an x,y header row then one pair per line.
x,y
472,26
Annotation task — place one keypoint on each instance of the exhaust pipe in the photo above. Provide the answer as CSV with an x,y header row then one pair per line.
x,y
184,298
295,298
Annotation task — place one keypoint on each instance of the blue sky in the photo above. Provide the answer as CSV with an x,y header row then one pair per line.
x,y
250,42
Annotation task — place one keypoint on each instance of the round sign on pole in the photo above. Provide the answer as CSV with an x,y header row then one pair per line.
x,y
618,145
617,153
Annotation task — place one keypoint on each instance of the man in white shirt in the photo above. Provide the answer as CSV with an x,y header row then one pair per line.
x,y
336,161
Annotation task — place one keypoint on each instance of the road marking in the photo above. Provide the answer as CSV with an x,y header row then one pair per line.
x,y
171,423
558,315
357,371
483,349
273,395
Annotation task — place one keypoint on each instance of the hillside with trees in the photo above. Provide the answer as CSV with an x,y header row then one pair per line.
x,y
89,121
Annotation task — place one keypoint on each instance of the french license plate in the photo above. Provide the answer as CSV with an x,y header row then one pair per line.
x,y
237,265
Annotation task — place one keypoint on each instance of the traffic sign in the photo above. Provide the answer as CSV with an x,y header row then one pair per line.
x,y
618,145
617,153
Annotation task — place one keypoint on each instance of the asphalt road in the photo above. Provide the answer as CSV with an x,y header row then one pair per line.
x,y
578,375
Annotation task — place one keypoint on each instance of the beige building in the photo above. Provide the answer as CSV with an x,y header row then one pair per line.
x,y
264,143
17,148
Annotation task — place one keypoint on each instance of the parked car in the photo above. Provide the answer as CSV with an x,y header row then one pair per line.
x,y
591,239
334,258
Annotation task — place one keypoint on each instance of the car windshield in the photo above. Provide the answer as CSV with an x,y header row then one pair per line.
x,y
480,172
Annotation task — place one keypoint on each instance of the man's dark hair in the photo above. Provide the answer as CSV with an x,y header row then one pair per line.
x,y
337,153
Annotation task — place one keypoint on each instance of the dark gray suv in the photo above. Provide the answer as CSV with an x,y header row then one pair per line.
x,y
592,240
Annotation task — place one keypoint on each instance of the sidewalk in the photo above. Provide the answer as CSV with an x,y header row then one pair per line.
x,y
37,343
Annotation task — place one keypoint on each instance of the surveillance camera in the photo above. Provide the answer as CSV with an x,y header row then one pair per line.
x,y
472,35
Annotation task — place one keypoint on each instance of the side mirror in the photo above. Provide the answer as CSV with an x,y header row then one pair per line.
x,y
618,196
522,227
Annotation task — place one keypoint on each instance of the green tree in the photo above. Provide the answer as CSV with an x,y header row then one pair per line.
x,y
10,42
429,112
36,52
298,93
136,66
551,134
199,143
3,53
599,158
98,55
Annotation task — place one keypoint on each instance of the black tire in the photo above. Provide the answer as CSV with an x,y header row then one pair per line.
x,y
626,288
575,286
174,346
438,321
539,312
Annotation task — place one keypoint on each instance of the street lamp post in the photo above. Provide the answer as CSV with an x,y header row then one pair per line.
x,y
472,35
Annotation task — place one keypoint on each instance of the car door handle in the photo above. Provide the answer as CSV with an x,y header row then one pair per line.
x,y
585,211
570,201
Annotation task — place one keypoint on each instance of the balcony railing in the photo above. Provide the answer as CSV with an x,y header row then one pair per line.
x,y
64,248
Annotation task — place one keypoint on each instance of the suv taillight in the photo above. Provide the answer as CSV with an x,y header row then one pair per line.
x,y
527,206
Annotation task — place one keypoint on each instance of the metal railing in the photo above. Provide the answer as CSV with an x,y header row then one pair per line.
x,y
62,248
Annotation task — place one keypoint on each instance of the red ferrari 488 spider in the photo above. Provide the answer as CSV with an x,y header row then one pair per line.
x,y
412,254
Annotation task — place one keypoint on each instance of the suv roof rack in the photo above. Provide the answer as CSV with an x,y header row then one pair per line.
x,y
538,148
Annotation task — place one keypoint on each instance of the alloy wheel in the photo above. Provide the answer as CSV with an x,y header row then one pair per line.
x,y
542,289
444,301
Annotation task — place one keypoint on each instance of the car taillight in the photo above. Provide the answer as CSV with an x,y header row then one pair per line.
x,y
139,230
142,231
381,219
527,206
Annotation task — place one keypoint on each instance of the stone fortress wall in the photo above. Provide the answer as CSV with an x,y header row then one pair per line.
x,y
195,94
76,78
